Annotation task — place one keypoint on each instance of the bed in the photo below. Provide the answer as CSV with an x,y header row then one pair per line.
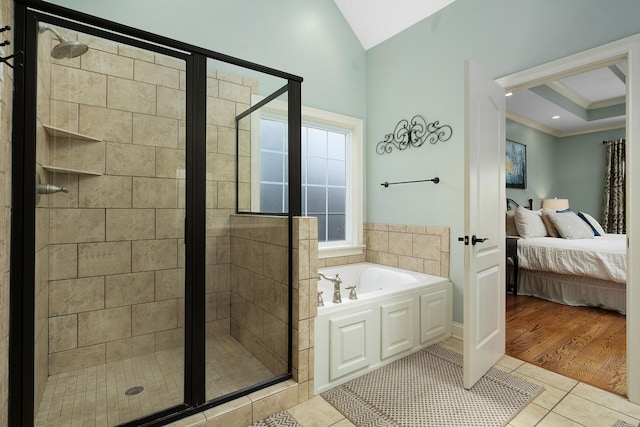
x,y
583,269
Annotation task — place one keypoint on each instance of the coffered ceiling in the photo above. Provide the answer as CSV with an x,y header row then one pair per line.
x,y
587,102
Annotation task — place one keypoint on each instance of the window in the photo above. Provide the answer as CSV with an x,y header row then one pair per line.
x,y
331,175
325,163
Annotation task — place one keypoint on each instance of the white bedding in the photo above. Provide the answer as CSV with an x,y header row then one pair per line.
x,y
603,257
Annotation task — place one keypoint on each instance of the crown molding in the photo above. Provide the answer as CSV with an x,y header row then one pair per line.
x,y
531,123
556,133
591,130
570,94
608,102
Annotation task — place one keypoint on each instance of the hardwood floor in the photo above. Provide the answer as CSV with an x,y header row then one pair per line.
x,y
584,343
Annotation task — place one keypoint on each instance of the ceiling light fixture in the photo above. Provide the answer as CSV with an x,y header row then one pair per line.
x,y
508,94
555,117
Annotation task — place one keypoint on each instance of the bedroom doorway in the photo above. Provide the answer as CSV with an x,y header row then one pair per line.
x,y
584,343
611,53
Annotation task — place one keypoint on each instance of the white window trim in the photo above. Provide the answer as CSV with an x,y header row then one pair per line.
x,y
355,199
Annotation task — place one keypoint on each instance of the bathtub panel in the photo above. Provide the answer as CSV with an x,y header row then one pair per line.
x,y
435,315
397,322
352,346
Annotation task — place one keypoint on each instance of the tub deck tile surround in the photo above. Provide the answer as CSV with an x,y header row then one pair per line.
x,y
424,249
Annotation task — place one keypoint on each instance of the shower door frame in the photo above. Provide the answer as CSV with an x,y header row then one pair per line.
x,y
22,262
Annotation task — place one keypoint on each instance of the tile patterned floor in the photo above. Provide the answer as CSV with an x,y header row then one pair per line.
x,y
564,403
95,396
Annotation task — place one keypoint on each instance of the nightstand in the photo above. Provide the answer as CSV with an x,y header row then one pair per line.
x,y
512,252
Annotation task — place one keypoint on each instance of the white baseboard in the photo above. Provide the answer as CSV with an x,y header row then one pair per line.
x,y
456,330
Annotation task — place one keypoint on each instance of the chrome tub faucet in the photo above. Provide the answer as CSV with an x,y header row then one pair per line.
x,y
336,287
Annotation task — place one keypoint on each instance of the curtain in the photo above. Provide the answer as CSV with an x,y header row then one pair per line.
x,y
613,220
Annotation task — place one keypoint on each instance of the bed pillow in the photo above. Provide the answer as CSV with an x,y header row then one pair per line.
x,y
529,223
570,226
591,222
551,229
511,224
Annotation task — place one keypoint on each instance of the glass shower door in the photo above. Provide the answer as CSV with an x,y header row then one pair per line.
x,y
247,282
110,255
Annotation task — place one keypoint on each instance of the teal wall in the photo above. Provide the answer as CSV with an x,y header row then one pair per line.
x,y
421,71
581,170
418,71
309,38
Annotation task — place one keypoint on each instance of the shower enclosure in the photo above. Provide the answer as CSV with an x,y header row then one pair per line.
x,y
146,282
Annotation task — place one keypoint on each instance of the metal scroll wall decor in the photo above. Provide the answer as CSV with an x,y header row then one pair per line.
x,y
5,59
414,133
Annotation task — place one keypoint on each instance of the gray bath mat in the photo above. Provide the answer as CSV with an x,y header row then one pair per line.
x,y
425,389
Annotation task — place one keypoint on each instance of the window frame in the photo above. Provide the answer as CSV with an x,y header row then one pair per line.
x,y
353,245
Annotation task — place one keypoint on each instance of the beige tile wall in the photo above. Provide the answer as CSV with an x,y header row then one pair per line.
x,y
6,99
424,249
261,404
305,302
227,95
417,248
259,287
115,242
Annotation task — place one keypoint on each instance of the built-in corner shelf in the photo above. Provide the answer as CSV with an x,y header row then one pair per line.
x,y
69,170
90,163
62,133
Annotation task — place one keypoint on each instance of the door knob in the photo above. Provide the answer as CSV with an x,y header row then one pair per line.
x,y
475,239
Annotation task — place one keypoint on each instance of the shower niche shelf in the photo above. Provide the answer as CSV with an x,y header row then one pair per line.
x,y
72,154
69,170
55,132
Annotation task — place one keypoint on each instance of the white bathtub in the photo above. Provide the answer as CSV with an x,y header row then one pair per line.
x,y
396,313
371,281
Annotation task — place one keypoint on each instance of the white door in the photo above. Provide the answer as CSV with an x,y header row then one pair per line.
x,y
484,281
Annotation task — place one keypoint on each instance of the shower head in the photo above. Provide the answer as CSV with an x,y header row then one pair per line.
x,y
68,49
65,49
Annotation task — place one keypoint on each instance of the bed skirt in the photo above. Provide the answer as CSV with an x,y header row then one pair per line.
x,y
573,290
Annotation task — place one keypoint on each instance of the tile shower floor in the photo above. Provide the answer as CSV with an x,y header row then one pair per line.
x,y
96,396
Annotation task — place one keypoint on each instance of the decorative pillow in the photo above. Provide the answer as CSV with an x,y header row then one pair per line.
x,y
511,224
591,222
551,229
529,223
570,226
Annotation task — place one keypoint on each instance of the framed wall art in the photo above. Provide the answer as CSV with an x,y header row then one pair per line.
x,y
516,165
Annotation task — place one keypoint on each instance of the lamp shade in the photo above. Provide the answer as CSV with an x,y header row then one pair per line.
x,y
555,204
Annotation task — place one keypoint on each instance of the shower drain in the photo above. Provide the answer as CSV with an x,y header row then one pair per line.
x,y
134,390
